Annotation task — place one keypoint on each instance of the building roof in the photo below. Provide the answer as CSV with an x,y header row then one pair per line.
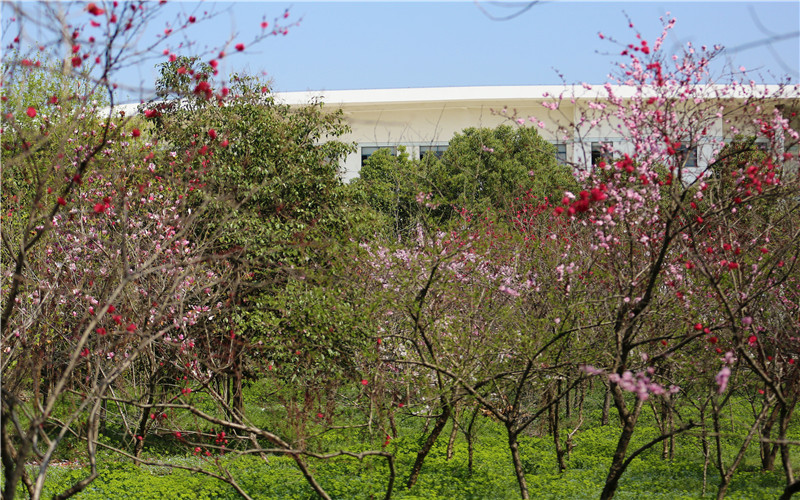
x,y
511,94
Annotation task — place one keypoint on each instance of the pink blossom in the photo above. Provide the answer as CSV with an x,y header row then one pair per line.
x,y
722,378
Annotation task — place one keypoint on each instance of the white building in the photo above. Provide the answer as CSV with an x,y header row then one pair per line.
x,y
425,119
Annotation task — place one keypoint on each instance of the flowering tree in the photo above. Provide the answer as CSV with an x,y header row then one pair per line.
x,y
157,263
666,260
673,236
108,277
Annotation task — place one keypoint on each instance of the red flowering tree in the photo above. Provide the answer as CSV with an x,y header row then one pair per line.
x,y
108,281
667,260
685,242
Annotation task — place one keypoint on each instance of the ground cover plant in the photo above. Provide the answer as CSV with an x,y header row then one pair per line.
x,y
193,310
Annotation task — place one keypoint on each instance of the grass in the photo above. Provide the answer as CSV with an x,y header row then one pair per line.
x,y
492,478
648,476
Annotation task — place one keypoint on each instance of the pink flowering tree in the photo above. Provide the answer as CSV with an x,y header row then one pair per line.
x,y
688,244
487,315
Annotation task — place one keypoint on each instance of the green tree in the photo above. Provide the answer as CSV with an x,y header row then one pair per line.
x,y
389,184
275,166
490,167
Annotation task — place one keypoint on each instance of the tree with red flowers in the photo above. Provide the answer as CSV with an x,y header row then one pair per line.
x,y
108,278
696,246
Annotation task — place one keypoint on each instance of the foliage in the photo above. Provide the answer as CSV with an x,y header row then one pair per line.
x,y
490,167
391,185
281,184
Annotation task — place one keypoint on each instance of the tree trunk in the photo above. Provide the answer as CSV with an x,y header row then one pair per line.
x,y
141,431
453,433
37,379
628,419
238,395
790,490
470,435
441,421
518,469
618,461
606,407
555,429
768,450
13,461
786,459
725,479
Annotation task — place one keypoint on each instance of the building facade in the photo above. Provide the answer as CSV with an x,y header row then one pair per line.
x,y
425,119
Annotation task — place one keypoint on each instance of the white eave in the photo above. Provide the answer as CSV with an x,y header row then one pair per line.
x,y
510,94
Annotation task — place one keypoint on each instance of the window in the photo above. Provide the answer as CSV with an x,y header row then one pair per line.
x,y
367,151
688,156
600,151
436,151
561,153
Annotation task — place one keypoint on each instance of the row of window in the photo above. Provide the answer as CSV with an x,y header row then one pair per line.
x,y
438,151
599,151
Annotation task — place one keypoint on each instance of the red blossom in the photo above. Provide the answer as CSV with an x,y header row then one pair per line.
x,y
101,331
31,112
99,208
131,328
136,132
212,133
94,10
203,88
240,47
61,201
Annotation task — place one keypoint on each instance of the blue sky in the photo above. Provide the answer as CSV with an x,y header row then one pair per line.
x,y
352,45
